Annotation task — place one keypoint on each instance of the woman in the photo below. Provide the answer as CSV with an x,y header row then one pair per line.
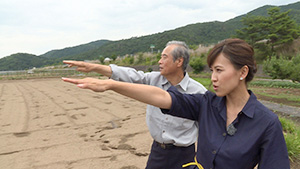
x,y
235,130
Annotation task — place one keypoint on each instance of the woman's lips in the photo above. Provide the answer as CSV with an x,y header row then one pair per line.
x,y
215,87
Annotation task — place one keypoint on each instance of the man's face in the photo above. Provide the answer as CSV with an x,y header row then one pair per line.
x,y
166,64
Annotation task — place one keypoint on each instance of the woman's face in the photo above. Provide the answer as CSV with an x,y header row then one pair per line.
x,y
225,78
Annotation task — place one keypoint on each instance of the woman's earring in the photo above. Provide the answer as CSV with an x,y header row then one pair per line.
x,y
241,78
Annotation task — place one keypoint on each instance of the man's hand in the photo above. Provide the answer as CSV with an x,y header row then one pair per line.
x,y
90,67
81,66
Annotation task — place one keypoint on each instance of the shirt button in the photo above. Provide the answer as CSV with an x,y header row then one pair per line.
x,y
224,134
214,152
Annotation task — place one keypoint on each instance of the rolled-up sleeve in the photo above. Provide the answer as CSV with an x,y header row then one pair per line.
x,y
127,74
184,105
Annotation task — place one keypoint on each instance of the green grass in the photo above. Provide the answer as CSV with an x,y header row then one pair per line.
x,y
283,95
256,82
292,138
204,81
277,84
288,126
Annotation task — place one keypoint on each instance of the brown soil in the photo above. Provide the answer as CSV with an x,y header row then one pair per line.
x,y
282,101
277,91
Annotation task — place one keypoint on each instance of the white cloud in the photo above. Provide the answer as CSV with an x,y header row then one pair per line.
x,y
38,26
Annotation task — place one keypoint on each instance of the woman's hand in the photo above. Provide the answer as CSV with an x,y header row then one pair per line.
x,y
145,93
96,85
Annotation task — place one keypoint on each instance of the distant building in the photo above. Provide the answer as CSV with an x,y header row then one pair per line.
x,y
107,60
31,71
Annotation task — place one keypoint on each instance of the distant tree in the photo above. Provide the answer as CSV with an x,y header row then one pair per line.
x,y
275,29
113,57
101,59
255,30
282,29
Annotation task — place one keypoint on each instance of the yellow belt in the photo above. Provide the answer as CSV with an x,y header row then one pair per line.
x,y
193,163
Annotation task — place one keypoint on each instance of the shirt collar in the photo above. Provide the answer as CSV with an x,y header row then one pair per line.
x,y
183,83
164,81
248,109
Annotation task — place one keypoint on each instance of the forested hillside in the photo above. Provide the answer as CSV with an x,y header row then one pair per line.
x,y
193,35
21,61
75,50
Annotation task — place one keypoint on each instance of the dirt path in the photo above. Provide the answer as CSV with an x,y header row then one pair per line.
x,y
284,110
51,124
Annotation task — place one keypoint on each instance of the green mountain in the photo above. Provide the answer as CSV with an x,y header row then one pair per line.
x,y
74,50
22,61
193,34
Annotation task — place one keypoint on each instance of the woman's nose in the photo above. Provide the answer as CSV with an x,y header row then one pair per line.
x,y
213,77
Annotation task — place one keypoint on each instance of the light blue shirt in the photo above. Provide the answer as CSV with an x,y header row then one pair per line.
x,y
164,128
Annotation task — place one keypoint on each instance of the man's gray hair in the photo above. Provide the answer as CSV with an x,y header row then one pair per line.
x,y
180,51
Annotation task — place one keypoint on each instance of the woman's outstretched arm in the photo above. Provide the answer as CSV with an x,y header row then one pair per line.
x,y
145,93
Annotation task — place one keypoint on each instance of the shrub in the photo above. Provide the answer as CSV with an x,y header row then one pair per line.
x,y
129,60
296,68
283,68
198,63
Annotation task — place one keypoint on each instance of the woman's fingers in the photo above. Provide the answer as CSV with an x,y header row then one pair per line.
x,y
74,81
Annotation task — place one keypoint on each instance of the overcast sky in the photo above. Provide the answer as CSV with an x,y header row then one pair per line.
x,y
38,26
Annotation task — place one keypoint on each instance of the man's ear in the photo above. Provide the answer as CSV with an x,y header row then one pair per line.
x,y
179,62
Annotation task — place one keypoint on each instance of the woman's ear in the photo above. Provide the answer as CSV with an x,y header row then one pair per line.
x,y
244,72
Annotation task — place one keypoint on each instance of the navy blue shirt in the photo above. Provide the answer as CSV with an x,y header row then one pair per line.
x,y
258,138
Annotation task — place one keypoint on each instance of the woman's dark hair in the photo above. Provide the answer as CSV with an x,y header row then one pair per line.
x,y
239,52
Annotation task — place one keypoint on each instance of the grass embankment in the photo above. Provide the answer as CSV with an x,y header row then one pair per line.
x,y
292,138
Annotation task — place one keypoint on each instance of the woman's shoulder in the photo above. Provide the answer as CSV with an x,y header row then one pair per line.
x,y
261,111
